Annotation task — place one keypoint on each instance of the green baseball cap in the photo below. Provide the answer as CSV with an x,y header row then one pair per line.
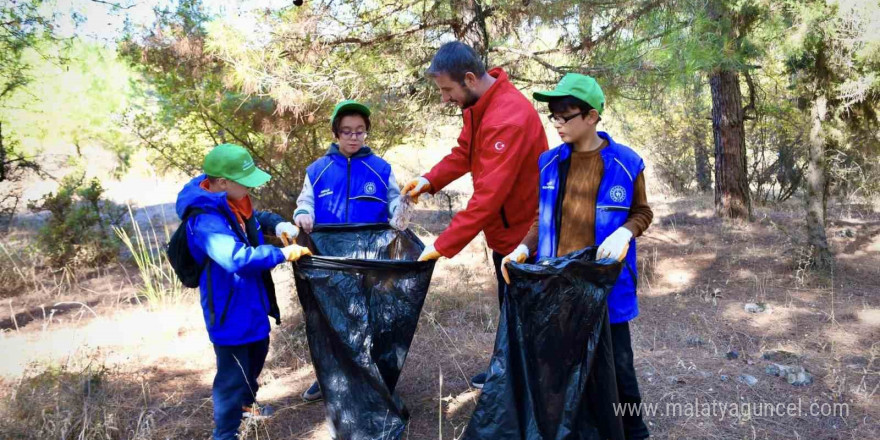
x,y
582,87
233,162
350,104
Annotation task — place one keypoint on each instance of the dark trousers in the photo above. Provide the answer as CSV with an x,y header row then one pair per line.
x,y
502,286
235,384
627,382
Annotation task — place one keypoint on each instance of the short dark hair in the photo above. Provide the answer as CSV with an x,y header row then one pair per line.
x,y
338,119
563,103
456,59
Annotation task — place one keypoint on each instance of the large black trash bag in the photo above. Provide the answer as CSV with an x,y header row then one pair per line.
x,y
552,371
362,293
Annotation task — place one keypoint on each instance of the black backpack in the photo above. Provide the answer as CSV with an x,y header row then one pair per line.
x,y
186,267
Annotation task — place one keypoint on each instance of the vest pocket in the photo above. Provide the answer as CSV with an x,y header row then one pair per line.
x,y
613,208
368,209
633,276
370,198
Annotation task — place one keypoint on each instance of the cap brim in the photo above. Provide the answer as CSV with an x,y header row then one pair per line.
x,y
255,179
547,96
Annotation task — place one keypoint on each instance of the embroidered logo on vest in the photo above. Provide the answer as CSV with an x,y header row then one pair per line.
x,y
325,193
370,188
617,193
549,185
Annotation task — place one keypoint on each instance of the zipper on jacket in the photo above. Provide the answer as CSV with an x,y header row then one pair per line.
x,y
504,219
347,189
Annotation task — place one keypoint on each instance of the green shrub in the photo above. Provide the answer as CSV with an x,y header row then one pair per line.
x,y
78,230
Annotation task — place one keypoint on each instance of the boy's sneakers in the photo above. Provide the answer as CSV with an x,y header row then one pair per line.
x,y
313,394
478,381
257,412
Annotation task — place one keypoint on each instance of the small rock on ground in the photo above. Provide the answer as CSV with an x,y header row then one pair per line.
x,y
755,307
747,379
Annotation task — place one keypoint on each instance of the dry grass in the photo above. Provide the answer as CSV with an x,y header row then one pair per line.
x,y
115,370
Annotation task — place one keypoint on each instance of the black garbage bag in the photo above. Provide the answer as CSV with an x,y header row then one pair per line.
x,y
552,371
362,293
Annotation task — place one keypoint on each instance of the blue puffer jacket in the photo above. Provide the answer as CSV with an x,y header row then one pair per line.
x,y
237,294
350,190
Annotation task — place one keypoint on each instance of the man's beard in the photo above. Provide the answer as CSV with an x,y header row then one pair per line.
x,y
470,98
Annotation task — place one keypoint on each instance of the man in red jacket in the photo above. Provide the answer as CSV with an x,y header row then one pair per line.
x,y
499,145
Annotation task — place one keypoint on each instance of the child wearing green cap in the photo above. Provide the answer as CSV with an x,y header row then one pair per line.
x,y
225,237
349,184
592,191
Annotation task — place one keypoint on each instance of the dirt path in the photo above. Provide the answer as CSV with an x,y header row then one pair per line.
x,y
150,371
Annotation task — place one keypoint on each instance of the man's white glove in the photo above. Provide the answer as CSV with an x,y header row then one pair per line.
x,y
287,232
305,221
519,255
616,245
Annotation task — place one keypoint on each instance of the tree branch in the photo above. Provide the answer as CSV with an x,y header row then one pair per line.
x,y
115,5
389,36
589,44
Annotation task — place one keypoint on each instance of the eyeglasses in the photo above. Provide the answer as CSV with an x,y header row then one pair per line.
x,y
353,134
561,120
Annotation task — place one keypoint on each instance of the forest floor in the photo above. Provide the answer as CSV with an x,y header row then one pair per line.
x,y
84,358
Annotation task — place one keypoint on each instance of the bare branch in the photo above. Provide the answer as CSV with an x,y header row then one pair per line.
x,y
613,29
115,5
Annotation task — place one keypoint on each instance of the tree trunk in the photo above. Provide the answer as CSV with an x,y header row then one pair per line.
x,y
731,180
2,156
817,187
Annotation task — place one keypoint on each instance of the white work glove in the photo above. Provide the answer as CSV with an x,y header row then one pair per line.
x,y
287,232
403,214
415,188
295,252
519,255
305,221
429,254
616,245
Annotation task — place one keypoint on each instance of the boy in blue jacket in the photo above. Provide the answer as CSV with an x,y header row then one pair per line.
x,y
593,193
236,290
349,184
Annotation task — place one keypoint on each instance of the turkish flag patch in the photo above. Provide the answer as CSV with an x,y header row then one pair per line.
x,y
499,146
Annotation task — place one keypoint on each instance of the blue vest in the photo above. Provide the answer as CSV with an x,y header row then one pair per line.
x,y
613,201
350,190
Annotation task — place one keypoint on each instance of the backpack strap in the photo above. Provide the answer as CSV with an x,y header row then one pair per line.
x,y
190,213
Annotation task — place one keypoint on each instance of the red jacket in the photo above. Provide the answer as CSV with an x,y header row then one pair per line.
x,y
499,144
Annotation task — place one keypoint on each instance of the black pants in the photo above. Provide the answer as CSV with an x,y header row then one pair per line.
x,y
235,384
502,286
627,382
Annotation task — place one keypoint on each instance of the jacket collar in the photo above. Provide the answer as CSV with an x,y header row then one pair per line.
x,y
334,150
500,85
611,149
